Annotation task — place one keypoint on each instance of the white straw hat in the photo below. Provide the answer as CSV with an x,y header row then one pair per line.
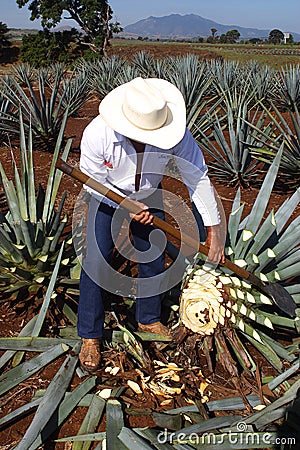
x,y
148,110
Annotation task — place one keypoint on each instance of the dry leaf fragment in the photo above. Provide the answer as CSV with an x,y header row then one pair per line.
x,y
259,407
203,386
134,386
104,393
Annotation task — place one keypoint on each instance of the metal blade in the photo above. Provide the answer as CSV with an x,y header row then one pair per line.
x,y
281,298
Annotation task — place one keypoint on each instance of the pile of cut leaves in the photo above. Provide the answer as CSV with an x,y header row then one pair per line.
x,y
137,383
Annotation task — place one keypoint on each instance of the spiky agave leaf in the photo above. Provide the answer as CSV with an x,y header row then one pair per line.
x,y
91,421
5,112
216,303
67,405
18,374
51,400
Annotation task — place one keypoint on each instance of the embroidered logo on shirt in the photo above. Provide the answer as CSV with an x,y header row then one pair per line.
x,y
108,164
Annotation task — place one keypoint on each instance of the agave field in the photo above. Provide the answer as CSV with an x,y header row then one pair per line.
x,y
230,376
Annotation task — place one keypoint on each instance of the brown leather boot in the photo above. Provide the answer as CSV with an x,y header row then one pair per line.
x,y
90,354
155,328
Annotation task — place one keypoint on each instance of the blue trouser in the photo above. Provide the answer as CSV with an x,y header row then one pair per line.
x,y
101,228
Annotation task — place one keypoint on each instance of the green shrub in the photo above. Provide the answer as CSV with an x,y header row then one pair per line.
x,y
45,47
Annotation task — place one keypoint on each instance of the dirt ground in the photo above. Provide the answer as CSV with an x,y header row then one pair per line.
x,y
12,318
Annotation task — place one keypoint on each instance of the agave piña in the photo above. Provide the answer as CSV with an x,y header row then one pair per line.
x,y
217,305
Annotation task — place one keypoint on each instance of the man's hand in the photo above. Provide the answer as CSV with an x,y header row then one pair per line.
x,y
144,216
216,245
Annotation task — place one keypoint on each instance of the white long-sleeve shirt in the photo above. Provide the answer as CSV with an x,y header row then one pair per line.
x,y
111,159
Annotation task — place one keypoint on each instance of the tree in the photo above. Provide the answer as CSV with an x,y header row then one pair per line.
x,y
4,41
276,36
213,34
223,39
255,41
232,36
93,17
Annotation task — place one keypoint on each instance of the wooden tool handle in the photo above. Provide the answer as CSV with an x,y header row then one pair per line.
x,y
132,207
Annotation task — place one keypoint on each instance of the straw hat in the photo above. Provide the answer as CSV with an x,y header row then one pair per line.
x,y
149,110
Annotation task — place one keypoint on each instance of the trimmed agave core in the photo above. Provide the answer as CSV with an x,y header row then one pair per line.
x,y
210,299
202,305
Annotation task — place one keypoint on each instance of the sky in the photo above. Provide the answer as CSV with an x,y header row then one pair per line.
x,y
264,14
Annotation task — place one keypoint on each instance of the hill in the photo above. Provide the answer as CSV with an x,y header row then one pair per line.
x,y
190,26
16,34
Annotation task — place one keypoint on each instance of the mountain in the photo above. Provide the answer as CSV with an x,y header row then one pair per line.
x,y
189,26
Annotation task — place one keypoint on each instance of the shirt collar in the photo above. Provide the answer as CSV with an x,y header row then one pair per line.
x,y
119,137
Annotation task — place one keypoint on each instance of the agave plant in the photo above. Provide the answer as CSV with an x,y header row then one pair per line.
x,y
273,137
189,75
287,87
22,73
261,80
32,229
74,91
226,130
237,83
42,107
226,311
232,161
145,64
102,74
225,74
5,111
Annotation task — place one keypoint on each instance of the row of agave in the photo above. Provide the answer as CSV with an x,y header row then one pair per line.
x,y
244,101
256,106
43,99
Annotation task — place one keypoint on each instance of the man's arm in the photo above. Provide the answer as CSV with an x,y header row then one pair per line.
x,y
215,242
191,163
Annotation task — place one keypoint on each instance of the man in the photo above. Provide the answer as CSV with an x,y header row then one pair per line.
x,y
141,124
